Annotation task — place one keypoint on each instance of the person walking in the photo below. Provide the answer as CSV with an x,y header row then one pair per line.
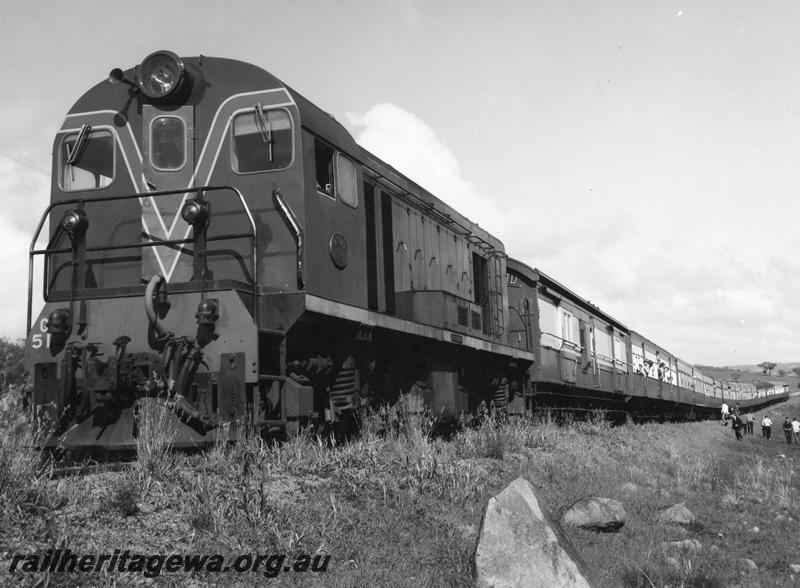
x,y
737,425
725,413
766,427
796,430
751,419
787,430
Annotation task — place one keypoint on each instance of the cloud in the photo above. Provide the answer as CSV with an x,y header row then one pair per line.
x,y
408,144
699,294
690,291
14,245
25,193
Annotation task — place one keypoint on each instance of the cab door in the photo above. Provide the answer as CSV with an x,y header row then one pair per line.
x,y
336,257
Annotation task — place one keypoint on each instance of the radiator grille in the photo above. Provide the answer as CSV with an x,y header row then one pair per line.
x,y
462,315
476,320
343,390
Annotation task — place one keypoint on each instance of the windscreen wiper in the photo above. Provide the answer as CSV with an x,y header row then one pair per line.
x,y
80,145
265,127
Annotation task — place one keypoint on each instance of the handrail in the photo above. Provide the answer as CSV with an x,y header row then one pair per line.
x,y
287,214
524,324
32,251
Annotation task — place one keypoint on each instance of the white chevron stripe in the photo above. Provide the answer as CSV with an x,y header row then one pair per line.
x,y
103,119
206,163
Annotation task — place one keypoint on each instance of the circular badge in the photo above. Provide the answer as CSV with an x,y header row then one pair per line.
x,y
338,249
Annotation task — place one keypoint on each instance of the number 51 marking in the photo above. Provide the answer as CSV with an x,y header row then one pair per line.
x,y
42,338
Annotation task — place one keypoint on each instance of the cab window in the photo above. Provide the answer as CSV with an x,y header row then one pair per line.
x,y
91,166
167,143
346,180
323,158
262,140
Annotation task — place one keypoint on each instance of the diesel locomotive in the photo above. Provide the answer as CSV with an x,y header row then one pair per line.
x,y
218,244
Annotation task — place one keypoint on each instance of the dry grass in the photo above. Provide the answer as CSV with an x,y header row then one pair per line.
x,y
24,473
770,482
399,507
155,440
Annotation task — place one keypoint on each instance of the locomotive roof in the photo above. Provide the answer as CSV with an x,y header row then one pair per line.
x,y
231,76
326,126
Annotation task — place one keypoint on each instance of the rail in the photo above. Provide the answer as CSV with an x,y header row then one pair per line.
x,y
81,202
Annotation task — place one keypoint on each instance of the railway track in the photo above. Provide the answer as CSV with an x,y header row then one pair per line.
x,y
110,463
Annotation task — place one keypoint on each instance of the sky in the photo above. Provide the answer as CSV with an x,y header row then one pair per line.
x,y
646,154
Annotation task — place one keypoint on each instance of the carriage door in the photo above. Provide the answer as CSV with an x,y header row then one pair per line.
x,y
620,362
168,164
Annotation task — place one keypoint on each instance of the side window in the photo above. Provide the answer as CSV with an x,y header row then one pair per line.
x,y
567,328
323,157
86,164
346,180
262,140
167,143
619,351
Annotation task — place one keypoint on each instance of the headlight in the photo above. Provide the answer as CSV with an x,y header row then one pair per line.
x,y
161,74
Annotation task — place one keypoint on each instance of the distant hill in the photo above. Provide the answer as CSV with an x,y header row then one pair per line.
x,y
787,367
753,374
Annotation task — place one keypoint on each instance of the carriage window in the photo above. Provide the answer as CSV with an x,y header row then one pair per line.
x,y
323,155
167,143
568,324
93,168
346,180
262,140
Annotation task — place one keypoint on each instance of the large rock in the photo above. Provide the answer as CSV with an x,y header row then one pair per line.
x,y
517,546
677,514
597,514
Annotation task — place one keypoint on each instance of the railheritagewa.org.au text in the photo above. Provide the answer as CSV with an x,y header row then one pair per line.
x,y
153,565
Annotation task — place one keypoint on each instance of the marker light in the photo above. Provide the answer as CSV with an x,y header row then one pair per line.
x,y
207,312
195,213
74,222
161,74
58,322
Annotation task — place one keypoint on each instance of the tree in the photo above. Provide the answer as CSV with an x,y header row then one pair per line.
x,y
12,370
781,373
796,371
767,367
